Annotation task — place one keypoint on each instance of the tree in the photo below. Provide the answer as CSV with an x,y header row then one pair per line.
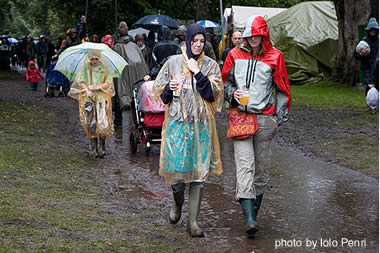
x,y
351,14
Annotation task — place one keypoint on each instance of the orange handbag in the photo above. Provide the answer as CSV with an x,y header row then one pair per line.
x,y
241,125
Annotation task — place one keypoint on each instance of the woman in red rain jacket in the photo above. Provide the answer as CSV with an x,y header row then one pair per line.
x,y
256,71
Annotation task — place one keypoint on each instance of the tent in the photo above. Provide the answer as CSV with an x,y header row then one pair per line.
x,y
307,34
241,13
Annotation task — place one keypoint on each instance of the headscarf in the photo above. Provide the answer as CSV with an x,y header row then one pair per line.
x,y
191,31
91,53
106,38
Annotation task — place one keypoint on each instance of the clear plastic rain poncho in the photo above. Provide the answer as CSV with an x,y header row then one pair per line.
x,y
190,146
95,112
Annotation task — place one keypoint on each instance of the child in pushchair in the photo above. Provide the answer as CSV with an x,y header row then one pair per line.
x,y
56,81
148,115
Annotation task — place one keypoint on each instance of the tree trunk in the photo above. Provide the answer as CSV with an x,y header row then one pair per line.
x,y
351,14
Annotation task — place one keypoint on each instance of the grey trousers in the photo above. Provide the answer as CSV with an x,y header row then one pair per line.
x,y
253,159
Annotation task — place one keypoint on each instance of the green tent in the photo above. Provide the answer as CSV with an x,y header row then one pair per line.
x,y
307,34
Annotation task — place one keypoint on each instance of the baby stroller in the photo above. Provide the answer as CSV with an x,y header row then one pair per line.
x,y
56,81
148,117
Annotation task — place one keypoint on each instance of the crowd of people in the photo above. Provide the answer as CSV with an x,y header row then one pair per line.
x,y
193,84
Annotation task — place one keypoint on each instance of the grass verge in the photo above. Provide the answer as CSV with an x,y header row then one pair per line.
x,y
51,199
341,110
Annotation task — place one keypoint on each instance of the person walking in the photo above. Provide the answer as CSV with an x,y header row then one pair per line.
x,y
164,48
93,88
71,41
180,35
254,72
139,39
190,85
42,49
108,40
134,71
369,57
32,74
236,38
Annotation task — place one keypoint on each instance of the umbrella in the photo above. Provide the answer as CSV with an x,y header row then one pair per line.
x,y
208,23
71,60
140,30
155,22
12,40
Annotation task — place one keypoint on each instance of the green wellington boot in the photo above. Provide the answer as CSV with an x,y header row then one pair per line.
x,y
93,147
102,147
195,198
247,207
256,206
176,210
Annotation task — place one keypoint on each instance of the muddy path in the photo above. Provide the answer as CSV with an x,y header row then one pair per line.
x,y
311,201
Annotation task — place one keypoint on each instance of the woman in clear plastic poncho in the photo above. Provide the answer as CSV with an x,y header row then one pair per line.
x,y
93,88
190,146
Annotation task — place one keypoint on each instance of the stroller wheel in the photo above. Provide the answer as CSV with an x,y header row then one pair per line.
x,y
133,143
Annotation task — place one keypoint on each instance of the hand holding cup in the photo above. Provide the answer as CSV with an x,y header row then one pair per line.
x,y
241,96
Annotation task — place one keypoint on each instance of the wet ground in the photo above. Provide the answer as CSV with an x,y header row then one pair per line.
x,y
311,201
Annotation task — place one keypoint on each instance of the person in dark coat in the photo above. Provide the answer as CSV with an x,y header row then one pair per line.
x,y
42,50
73,40
151,40
236,38
161,51
369,56
82,28
144,50
134,71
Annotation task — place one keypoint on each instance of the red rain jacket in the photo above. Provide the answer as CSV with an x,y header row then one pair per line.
x,y
33,73
242,71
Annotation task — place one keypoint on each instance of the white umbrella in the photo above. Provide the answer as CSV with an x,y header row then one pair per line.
x,y
139,30
71,61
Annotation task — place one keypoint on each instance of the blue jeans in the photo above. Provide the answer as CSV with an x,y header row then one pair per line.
x,y
33,86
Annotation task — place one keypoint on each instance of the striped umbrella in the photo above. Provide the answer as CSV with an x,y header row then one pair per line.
x,y
208,23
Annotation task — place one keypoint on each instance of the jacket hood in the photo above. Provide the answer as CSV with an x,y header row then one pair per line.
x,y
164,33
372,24
124,39
191,31
30,63
106,38
257,26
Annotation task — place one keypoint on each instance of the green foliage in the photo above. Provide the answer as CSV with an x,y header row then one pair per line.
x,y
53,17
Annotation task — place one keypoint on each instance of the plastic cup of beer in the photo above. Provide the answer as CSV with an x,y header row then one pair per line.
x,y
244,100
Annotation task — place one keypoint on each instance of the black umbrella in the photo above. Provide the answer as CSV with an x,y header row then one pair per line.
x,y
155,22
